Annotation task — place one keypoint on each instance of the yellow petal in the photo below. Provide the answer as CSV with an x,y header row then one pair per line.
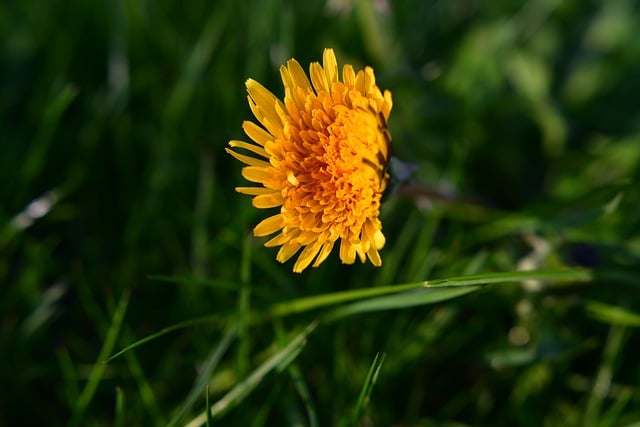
x,y
256,133
362,255
374,235
287,251
330,66
359,83
324,253
379,239
274,128
263,105
306,256
293,76
347,252
348,76
306,237
318,78
281,239
265,201
248,160
249,147
369,80
374,257
299,76
257,173
254,191
268,226
387,104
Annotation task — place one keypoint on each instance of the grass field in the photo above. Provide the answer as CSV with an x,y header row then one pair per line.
x,y
133,293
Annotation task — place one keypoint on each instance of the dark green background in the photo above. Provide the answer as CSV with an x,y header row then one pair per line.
x,y
115,115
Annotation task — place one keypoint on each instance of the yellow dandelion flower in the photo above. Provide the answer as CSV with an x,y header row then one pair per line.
x,y
320,156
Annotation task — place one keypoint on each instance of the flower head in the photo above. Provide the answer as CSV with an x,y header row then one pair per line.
x,y
320,155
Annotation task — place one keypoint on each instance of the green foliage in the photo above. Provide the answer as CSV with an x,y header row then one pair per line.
x,y
134,294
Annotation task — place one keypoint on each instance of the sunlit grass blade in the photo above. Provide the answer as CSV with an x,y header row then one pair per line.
x,y
208,368
612,351
207,402
367,388
612,314
238,393
97,371
556,276
406,299
301,305
317,301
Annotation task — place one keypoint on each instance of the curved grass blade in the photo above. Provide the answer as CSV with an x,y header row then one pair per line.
x,y
406,299
238,393
301,305
164,331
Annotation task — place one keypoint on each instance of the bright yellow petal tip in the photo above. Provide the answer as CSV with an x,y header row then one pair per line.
x,y
320,156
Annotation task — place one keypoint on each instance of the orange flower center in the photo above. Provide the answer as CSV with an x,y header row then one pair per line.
x,y
332,172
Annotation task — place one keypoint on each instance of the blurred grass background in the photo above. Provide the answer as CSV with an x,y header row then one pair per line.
x,y
119,219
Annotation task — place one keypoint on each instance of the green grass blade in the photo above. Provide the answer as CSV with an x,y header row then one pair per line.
x,y
238,393
119,411
146,391
613,349
615,411
209,367
98,369
406,299
207,402
304,393
301,305
168,329
298,381
317,301
367,388
557,276
195,66
612,314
